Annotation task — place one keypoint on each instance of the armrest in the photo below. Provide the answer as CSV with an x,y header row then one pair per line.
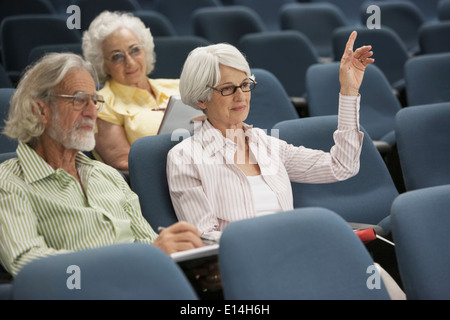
x,y
383,147
301,105
378,230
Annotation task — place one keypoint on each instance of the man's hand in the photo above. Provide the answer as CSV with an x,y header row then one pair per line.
x,y
178,237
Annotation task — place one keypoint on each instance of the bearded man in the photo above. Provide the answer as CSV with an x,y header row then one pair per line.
x,y
53,198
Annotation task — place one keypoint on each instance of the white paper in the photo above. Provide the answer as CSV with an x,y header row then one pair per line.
x,y
178,116
196,253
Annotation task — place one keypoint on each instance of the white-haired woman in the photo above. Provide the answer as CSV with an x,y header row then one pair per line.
x,y
121,49
230,171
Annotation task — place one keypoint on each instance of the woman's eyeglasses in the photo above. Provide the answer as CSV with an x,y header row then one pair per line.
x,y
246,86
119,56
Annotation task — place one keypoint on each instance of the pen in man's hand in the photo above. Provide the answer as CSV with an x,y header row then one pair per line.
x,y
204,239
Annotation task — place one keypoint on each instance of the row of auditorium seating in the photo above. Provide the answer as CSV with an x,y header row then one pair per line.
x,y
350,12
298,52
430,10
233,24
333,263
141,272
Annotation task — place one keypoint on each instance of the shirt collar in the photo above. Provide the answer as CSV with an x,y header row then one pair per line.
x,y
35,168
158,91
129,93
214,141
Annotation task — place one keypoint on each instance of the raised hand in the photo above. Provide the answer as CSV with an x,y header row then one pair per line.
x,y
353,65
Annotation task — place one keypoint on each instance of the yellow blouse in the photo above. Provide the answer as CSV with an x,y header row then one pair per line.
x,y
131,107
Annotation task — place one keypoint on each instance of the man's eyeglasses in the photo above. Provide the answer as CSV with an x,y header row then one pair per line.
x,y
81,100
119,56
246,86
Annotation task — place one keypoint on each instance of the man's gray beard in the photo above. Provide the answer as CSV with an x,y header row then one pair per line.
x,y
72,139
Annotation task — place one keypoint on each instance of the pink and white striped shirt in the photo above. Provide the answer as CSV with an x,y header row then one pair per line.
x,y
208,190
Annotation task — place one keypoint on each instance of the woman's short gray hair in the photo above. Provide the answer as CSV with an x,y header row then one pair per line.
x,y
106,23
39,82
202,69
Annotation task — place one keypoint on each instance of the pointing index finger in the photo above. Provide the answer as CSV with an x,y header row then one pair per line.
x,y
351,41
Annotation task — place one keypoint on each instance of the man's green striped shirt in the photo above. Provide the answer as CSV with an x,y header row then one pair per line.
x,y
45,211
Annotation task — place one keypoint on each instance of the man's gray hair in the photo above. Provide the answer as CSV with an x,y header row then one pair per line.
x,y
39,82
102,26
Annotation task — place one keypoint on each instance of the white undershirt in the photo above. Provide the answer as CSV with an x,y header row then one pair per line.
x,y
266,201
